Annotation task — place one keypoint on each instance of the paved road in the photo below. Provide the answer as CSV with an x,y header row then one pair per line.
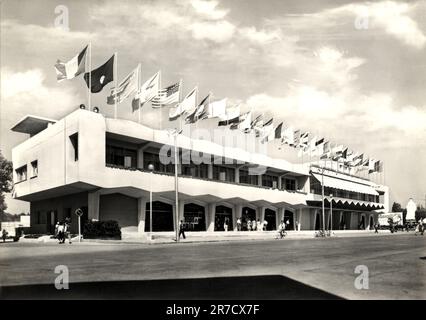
x,y
311,268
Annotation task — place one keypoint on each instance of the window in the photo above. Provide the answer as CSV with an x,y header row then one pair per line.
x,y
121,156
290,184
245,177
154,159
21,174
196,171
269,181
74,143
34,169
223,173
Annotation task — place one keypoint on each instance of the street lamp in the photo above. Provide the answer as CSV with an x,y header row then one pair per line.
x,y
331,213
151,169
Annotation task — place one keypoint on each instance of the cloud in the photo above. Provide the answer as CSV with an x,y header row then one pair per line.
x,y
208,9
220,31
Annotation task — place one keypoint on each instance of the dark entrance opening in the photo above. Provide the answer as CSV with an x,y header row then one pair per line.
x,y
317,221
194,217
247,214
361,225
371,223
223,214
270,217
289,216
162,216
51,219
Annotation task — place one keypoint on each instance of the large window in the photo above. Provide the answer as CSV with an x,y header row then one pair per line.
x,y
21,174
269,181
154,159
245,177
120,156
222,173
196,171
290,184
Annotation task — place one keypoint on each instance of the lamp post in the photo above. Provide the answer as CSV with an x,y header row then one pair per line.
x,y
331,213
323,206
151,169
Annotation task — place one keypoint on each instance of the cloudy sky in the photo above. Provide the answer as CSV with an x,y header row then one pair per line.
x,y
353,72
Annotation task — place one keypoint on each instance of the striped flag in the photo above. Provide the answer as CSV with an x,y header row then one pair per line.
x,y
199,112
266,130
126,87
72,68
232,116
166,96
188,103
148,90
244,124
279,131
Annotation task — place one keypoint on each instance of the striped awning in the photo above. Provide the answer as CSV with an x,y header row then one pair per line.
x,y
347,185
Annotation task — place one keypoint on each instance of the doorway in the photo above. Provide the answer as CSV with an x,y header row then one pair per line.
x,y
247,214
270,217
289,216
222,214
194,217
162,217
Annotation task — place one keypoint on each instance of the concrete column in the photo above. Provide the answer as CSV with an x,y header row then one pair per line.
x,y
174,217
93,205
210,171
259,180
141,214
236,213
210,214
140,158
280,183
237,175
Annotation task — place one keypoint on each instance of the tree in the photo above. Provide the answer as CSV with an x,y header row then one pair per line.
x,y
396,207
6,168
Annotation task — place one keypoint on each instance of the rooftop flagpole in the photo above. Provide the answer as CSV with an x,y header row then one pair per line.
x,y
116,83
90,76
139,88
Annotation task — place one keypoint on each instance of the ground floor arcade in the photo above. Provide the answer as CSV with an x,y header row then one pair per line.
x,y
130,211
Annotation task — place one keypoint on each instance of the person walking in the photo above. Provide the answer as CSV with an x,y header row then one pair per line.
x,y
259,225
248,225
4,235
67,230
254,225
376,227
225,225
239,224
265,225
182,229
60,236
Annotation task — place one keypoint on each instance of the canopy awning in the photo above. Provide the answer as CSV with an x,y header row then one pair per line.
x,y
32,124
347,185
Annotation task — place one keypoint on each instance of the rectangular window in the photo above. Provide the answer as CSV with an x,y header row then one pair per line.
x,y
34,169
154,159
245,177
120,156
21,174
269,181
74,143
290,184
222,173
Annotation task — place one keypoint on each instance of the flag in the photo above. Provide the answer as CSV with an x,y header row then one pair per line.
x,y
267,129
216,109
326,151
256,125
126,87
357,160
232,116
199,112
312,145
244,123
188,103
374,166
296,135
319,148
72,68
101,76
148,90
337,152
288,136
279,131
166,96
303,140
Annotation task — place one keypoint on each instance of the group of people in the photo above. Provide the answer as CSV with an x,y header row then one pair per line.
x,y
252,225
62,231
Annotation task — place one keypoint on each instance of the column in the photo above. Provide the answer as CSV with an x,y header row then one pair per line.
x,y
237,175
211,209
140,158
259,180
280,184
174,217
93,205
141,214
210,171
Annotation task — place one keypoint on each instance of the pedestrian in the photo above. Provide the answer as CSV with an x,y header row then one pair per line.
x,y
225,225
376,227
56,229
248,225
254,225
265,225
4,235
67,230
239,224
60,233
182,229
259,225
282,229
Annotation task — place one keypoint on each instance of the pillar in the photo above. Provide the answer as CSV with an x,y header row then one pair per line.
x,y
141,214
259,180
237,175
280,184
93,205
210,213
210,171
140,158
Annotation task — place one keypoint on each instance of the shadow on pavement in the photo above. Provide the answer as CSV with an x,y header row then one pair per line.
x,y
256,287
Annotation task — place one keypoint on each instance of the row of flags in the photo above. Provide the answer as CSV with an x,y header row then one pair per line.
x,y
191,111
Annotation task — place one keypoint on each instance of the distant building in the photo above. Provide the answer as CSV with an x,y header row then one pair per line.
x,y
397,218
411,210
10,226
100,165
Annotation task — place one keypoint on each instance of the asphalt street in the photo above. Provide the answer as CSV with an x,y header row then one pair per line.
x,y
262,269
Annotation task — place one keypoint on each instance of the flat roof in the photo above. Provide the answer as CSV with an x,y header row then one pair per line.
x,y
32,124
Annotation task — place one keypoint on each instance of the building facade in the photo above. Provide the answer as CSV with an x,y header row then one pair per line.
x,y
100,165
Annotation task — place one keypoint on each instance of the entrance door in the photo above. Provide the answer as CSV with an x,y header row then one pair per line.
x,y
247,214
362,223
270,218
317,221
194,217
371,223
52,218
223,214
288,216
162,216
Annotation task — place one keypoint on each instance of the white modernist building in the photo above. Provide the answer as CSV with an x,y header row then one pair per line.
x,y
100,165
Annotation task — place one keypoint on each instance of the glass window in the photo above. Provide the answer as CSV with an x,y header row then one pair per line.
x,y
21,173
222,173
245,177
154,159
74,143
34,169
290,184
269,181
121,156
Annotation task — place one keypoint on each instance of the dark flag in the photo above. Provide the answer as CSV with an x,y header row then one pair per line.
x,y
235,120
278,131
101,76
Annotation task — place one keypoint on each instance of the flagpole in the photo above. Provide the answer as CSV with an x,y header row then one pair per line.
x,y
116,83
180,100
139,88
160,106
90,76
